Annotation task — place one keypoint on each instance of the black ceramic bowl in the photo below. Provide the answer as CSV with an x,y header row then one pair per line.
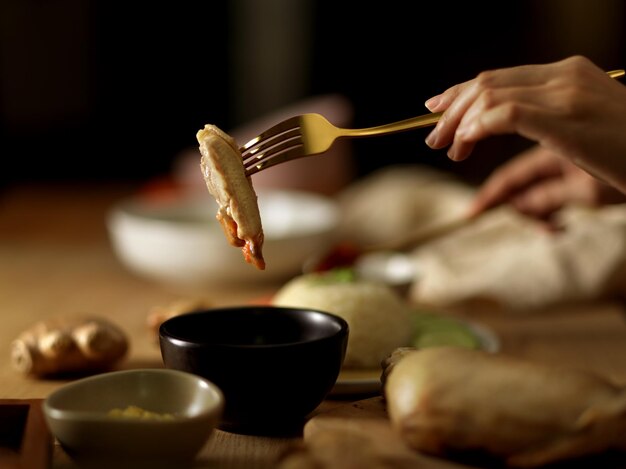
x,y
274,365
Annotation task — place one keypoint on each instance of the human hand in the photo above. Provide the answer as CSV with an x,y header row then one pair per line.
x,y
571,108
538,183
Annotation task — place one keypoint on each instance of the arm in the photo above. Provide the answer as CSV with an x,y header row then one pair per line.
x,y
570,108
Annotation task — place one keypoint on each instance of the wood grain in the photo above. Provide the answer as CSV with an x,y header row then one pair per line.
x,y
56,258
359,434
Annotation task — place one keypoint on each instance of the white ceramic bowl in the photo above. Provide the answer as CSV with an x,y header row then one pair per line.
x,y
179,241
78,416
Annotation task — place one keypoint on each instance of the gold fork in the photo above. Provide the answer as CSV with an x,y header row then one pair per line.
x,y
312,134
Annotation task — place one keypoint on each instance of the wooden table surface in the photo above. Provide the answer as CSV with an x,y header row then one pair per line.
x,y
55,258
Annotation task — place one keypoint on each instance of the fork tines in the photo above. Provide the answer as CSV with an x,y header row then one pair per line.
x,y
283,137
275,144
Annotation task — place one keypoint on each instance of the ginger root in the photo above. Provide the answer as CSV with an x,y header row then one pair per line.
x,y
68,344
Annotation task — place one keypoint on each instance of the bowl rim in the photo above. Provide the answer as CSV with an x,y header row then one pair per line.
x,y
97,416
148,212
343,329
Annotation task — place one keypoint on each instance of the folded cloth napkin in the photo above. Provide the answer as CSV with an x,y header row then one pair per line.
x,y
502,258
508,260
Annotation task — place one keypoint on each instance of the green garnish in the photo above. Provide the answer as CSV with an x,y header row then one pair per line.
x,y
433,330
338,275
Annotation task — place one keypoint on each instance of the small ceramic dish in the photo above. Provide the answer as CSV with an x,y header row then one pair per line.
x,y
275,365
168,416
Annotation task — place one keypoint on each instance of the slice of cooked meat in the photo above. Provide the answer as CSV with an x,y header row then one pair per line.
x,y
238,210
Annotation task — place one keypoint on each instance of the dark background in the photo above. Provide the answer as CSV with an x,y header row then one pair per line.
x,y
112,90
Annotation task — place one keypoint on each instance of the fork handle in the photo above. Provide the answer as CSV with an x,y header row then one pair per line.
x,y
400,126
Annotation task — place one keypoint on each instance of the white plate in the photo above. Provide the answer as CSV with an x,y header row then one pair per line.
x,y
367,381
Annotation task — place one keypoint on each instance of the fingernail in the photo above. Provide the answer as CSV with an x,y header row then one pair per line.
x,y
431,139
432,103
